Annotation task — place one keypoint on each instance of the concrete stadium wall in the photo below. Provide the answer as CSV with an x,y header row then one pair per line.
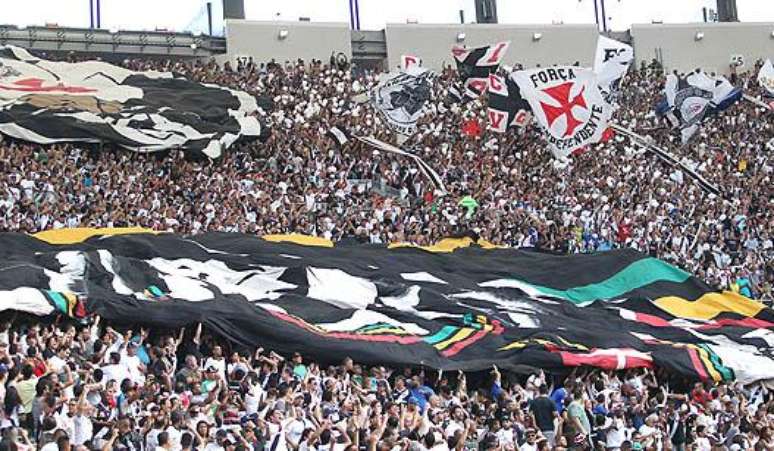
x,y
305,40
559,44
677,47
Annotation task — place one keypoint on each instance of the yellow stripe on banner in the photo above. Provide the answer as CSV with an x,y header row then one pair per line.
x,y
462,334
709,305
514,345
449,245
443,246
704,356
71,299
297,238
385,330
81,234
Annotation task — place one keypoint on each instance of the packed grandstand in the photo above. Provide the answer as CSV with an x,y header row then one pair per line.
x,y
458,288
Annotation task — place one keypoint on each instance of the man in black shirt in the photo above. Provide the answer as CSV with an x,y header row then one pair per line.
x,y
543,412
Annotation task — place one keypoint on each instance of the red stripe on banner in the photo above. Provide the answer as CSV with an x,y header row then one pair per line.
x,y
606,360
697,365
460,345
374,338
651,320
752,323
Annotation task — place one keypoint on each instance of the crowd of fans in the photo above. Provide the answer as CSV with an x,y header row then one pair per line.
x,y
91,387
613,195
65,387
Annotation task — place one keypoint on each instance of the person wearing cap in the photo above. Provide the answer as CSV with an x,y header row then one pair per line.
x,y
299,369
217,361
530,443
650,432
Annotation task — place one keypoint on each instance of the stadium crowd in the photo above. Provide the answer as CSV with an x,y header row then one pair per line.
x,y
300,180
73,387
70,387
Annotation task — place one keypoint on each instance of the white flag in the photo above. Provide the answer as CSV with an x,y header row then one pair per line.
x,y
401,96
407,61
611,62
568,104
766,77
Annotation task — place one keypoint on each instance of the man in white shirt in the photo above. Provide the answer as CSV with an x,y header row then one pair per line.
x,y
615,433
115,370
133,364
174,431
217,361
531,443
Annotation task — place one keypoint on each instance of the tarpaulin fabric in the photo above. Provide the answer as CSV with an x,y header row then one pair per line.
x,y
92,101
463,307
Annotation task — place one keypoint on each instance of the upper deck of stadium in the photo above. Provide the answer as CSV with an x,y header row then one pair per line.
x,y
713,46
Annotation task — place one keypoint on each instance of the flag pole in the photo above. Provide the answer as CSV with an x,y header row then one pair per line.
x,y
758,102
666,157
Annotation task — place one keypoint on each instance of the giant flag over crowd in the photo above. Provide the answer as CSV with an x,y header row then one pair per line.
x,y
46,102
474,67
401,96
611,62
567,102
456,305
507,108
689,99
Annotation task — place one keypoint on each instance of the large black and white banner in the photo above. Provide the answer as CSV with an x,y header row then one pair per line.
x,y
47,101
401,96
458,304
568,104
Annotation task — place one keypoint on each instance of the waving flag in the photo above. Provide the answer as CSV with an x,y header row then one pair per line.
x,y
407,61
611,62
766,78
46,102
425,168
567,102
689,99
401,96
474,67
507,108
460,304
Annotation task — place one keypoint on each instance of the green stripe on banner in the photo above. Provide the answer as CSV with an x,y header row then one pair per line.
x,y
376,326
154,290
441,335
637,275
726,372
59,301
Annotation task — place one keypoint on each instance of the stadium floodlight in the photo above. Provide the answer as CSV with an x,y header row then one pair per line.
x,y
537,36
699,36
283,34
460,37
